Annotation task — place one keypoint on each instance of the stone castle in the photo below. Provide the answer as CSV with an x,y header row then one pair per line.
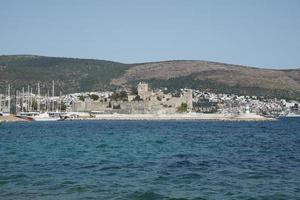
x,y
149,102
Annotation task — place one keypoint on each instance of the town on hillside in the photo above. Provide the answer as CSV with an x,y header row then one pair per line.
x,y
138,100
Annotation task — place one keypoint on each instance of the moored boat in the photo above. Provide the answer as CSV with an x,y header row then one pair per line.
x,y
36,116
292,115
45,117
4,114
27,115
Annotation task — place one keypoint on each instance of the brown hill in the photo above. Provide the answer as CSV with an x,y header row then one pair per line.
x,y
226,74
74,75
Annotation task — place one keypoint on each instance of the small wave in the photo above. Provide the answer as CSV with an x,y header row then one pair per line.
x,y
81,188
154,196
111,167
88,167
183,163
185,156
13,177
3,182
190,176
100,146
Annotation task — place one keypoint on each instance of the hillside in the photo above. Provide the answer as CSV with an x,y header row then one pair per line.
x,y
74,75
218,77
70,74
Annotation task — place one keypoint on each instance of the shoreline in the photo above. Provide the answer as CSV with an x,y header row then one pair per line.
x,y
176,117
11,118
158,117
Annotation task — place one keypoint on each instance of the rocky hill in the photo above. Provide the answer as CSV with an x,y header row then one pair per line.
x,y
74,75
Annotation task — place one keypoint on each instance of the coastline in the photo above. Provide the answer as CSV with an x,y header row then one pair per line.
x,y
159,117
11,118
184,117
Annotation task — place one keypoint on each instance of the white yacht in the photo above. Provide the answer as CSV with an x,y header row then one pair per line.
x,y
46,117
36,116
292,115
4,114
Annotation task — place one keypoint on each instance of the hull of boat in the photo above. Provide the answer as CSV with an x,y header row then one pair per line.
x,y
44,119
25,118
291,116
34,116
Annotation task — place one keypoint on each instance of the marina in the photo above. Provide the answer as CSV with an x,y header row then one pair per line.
x,y
152,105
150,100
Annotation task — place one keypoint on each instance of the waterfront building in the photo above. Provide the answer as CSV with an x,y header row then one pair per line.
x,y
149,103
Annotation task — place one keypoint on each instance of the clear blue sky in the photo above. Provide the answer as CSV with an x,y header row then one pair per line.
x,y
261,33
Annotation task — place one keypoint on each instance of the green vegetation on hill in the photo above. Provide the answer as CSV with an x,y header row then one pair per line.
x,y
70,74
77,75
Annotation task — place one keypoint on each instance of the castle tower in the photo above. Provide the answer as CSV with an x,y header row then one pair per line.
x,y
188,95
143,90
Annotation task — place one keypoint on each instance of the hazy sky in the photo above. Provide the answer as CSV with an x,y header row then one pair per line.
x,y
250,32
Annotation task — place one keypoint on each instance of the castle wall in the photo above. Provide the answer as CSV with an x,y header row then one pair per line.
x,y
87,106
154,103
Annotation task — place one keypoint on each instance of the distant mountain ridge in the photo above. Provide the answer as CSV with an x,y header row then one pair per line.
x,y
70,74
74,75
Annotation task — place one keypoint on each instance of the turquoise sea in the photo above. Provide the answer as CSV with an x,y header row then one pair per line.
x,y
150,160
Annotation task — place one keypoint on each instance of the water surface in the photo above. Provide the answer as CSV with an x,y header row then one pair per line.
x,y
150,160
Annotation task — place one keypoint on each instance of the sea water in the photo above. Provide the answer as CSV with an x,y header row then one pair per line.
x,y
150,160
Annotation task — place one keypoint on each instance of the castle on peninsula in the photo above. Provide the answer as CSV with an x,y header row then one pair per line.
x,y
146,101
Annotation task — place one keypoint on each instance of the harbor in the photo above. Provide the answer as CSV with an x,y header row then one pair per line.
x,y
142,103
150,100
177,117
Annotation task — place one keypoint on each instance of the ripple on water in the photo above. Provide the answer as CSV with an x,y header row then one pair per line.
x,y
150,160
151,196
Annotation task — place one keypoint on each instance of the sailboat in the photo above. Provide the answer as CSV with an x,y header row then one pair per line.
x,y
5,112
47,116
38,115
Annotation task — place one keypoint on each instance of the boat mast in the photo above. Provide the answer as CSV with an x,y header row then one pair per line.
x,y
31,100
8,93
60,101
16,101
53,96
20,102
38,98
47,101
0,102
22,106
27,104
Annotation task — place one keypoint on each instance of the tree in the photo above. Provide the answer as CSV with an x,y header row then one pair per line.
x,y
182,108
94,97
81,98
116,106
137,98
115,96
124,95
63,107
134,91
